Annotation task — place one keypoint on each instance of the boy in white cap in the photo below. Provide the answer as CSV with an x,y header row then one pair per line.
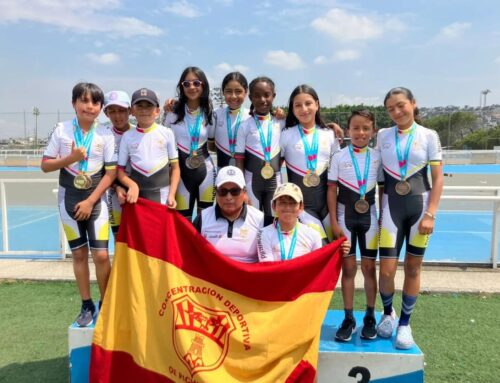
x,y
231,225
151,150
117,109
287,238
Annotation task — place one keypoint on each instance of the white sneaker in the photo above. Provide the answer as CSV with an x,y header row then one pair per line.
x,y
404,339
386,326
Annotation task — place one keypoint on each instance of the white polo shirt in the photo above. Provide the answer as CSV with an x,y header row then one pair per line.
x,y
268,243
237,239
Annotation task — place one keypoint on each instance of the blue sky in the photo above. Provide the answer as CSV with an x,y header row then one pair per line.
x,y
446,51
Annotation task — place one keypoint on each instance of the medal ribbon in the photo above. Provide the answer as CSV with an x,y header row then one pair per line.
x,y
266,146
361,181
194,132
403,162
231,135
85,142
282,242
311,151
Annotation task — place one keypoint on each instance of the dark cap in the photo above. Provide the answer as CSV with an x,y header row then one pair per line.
x,y
145,94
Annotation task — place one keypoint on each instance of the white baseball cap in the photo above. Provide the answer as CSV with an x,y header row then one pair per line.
x,y
117,97
230,174
290,190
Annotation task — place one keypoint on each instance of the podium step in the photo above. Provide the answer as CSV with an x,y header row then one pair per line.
x,y
359,360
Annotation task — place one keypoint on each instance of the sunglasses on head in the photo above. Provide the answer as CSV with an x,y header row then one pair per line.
x,y
188,83
234,192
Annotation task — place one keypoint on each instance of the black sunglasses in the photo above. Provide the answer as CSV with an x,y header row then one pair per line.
x,y
188,83
235,192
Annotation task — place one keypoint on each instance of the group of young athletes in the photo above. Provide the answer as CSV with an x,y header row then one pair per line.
x,y
330,190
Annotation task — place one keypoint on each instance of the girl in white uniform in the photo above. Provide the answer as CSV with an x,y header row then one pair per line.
x,y
228,119
257,147
409,206
191,122
306,146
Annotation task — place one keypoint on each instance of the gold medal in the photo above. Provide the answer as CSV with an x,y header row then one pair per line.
x,y
311,179
82,181
361,206
403,187
267,171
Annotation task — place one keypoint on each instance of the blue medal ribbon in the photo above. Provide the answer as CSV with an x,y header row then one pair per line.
x,y
362,182
282,242
403,161
194,132
231,134
266,145
311,151
83,141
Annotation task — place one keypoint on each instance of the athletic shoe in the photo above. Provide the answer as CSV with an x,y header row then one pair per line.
x,y
347,328
85,318
404,339
369,330
386,325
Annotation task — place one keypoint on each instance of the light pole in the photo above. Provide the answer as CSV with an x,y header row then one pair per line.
x,y
484,93
36,113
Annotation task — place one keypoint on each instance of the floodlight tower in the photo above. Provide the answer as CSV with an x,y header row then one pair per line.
x,y
484,93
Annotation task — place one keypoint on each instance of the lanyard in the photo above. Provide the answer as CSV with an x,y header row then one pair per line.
x,y
85,142
194,131
282,244
231,134
361,181
310,151
266,146
403,162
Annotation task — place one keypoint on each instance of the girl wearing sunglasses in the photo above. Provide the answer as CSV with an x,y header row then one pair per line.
x,y
191,122
231,225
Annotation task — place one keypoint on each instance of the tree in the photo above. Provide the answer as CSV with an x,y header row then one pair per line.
x,y
480,139
453,127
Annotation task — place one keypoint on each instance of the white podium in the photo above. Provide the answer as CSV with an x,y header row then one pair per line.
x,y
363,361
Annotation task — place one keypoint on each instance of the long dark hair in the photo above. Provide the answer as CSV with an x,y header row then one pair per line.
x,y
291,120
235,76
82,88
254,82
363,113
409,95
205,102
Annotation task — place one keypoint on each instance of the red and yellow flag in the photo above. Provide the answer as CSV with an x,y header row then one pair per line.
x,y
176,310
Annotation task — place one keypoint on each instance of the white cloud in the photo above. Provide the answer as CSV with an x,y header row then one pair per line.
x,y
342,55
183,8
225,2
343,99
71,15
240,32
225,68
156,51
347,55
346,27
320,60
453,31
285,60
104,59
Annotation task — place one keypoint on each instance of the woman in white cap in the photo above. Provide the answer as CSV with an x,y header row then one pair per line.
x,y
287,238
231,225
